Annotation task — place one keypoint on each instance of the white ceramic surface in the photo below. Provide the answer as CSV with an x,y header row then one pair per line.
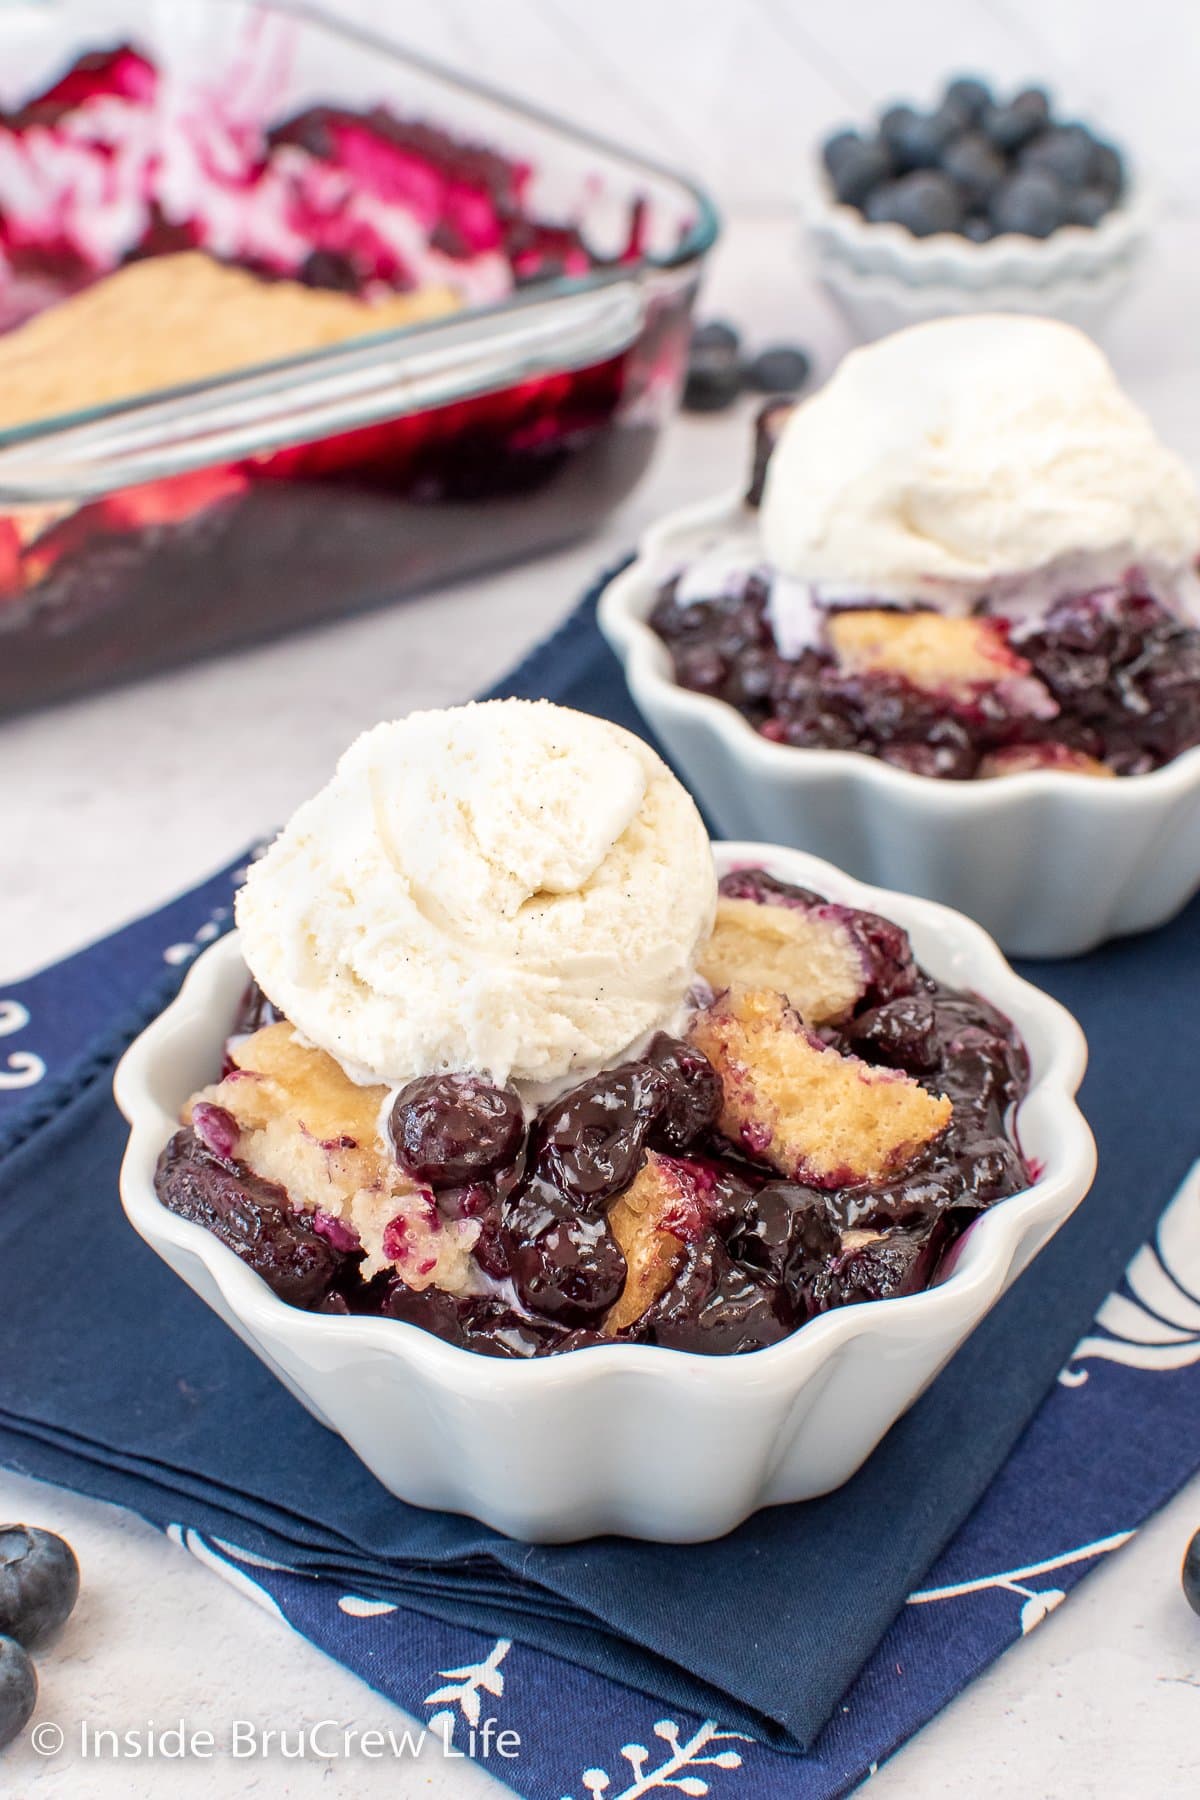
x,y
619,1439
1050,863
885,278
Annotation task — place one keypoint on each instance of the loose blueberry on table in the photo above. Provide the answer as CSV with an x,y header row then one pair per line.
x,y
976,166
718,372
39,1585
830,1122
1191,1574
18,1689
1106,682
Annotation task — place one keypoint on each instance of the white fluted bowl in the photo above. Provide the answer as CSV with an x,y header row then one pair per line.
x,y
1051,863
621,1438
884,278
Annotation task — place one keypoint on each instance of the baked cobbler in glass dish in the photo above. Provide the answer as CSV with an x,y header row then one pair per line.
x,y
516,1067
967,556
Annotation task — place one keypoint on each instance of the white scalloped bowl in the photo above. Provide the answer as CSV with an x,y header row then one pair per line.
x,y
885,278
621,1438
1051,863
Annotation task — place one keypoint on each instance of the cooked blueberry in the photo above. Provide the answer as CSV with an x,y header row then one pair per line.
x,y
565,1265
254,1011
1032,204
717,1307
901,1034
1191,1574
717,334
451,1129
470,1201
39,1582
781,369
975,168
858,169
589,1145
924,203
216,1128
249,1215
329,269
783,1231
694,1094
887,953
474,1322
767,889
1065,151
991,1169
769,422
18,1689
1010,126
714,377
900,1261
969,94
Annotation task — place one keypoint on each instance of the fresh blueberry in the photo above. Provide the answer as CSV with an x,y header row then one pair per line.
x,y
1032,204
918,140
1087,206
714,376
977,227
451,1129
1108,171
781,369
18,1689
974,167
923,203
1010,126
858,169
1191,1574
842,143
895,122
717,334
970,95
1065,151
39,1583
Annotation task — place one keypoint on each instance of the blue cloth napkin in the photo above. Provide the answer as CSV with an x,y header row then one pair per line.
x,y
114,1380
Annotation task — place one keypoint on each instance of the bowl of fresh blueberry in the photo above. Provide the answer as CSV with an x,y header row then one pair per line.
x,y
980,202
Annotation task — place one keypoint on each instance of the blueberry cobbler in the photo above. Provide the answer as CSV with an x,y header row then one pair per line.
x,y
157,231
968,555
514,1067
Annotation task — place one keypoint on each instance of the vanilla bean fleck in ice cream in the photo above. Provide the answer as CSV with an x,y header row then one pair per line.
x,y
509,887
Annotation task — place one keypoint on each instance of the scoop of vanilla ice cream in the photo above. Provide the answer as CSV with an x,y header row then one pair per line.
x,y
962,453
510,887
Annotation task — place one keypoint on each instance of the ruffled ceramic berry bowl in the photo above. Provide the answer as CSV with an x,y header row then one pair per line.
x,y
1050,862
884,278
618,1438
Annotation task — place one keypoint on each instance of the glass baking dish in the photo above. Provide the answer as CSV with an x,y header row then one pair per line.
x,y
174,523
